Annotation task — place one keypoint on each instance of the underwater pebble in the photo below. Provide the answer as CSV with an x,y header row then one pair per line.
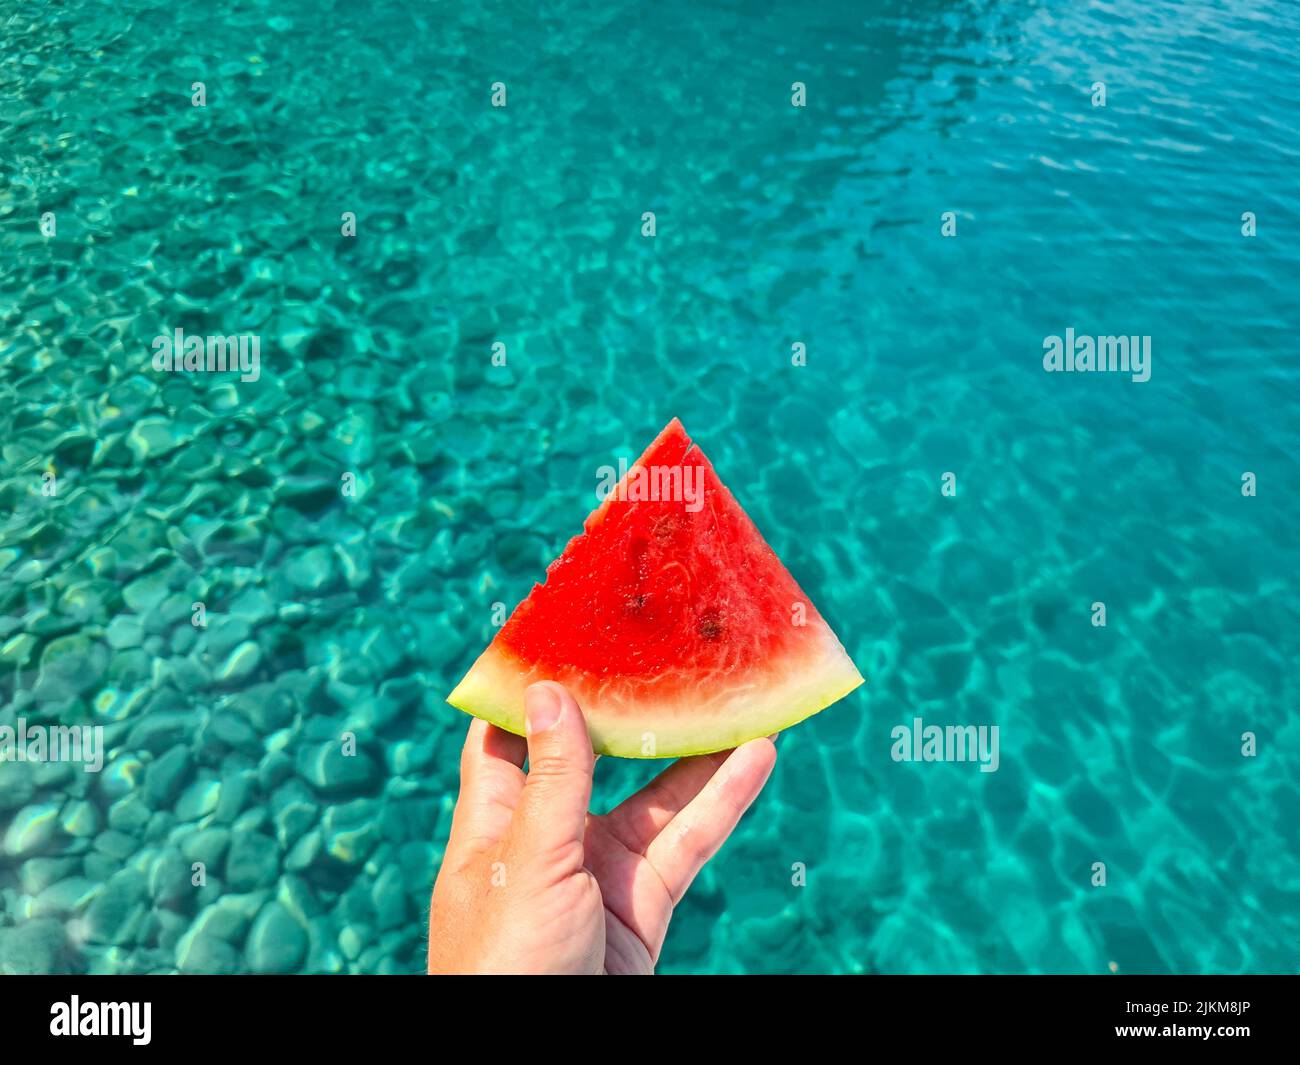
x,y
70,665
16,789
159,826
323,955
225,633
36,874
199,799
311,570
296,896
353,940
303,854
355,563
277,942
419,862
208,846
183,639
241,663
274,767
227,918
171,926
144,594
80,819
389,895
169,878
253,861
253,606
152,438
125,630
325,767
444,644
130,667
411,756
293,819
100,866
129,814
17,652
33,829
121,776
56,776
117,845
234,731
206,954
116,908
268,708
166,776
64,898
34,947
236,790
351,831
161,729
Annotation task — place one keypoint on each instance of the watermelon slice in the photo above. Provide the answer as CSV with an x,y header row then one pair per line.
x,y
670,619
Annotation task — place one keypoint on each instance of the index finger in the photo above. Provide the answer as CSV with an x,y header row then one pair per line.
x,y
692,837
639,818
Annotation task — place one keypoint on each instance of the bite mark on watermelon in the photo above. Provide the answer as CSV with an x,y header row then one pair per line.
x,y
671,620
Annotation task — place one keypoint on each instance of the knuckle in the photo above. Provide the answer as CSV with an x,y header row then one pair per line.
x,y
551,765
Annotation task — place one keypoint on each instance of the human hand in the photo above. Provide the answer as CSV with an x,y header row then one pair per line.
x,y
532,882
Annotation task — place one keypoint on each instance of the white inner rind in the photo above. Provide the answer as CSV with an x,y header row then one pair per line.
x,y
627,719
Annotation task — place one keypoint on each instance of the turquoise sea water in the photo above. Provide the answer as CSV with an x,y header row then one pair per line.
x,y
775,225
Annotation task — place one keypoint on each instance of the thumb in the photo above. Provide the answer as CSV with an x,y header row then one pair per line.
x,y
552,811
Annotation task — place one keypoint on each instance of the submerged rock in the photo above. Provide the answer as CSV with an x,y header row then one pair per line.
x,y
312,570
351,831
199,799
64,898
70,665
166,776
240,664
389,896
325,767
253,861
304,853
144,594
34,947
80,819
117,907
277,942
152,438
206,954
34,829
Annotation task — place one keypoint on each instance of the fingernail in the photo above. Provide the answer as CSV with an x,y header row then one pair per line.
x,y
542,706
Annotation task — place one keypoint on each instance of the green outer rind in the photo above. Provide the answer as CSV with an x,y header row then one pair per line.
x,y
493,691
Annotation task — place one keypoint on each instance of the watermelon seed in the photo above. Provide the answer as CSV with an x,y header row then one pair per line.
x,y
709,627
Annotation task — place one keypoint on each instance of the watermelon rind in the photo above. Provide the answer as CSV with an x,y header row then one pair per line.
x,y
711,714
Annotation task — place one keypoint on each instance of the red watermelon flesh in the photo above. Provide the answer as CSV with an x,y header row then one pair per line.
x,y
670,619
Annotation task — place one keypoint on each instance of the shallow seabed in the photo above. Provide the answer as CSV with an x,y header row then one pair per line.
x,y
776,225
